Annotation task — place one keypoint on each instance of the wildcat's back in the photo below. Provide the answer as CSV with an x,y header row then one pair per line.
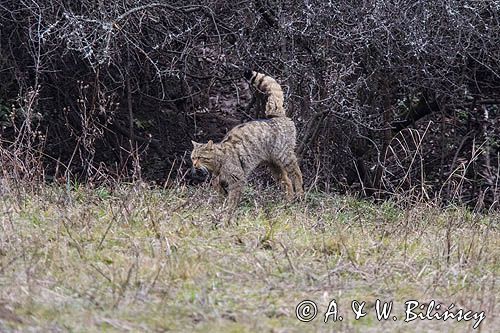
x,y
268,140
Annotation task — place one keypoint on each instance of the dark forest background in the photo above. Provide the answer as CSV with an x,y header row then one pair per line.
x,y
389,97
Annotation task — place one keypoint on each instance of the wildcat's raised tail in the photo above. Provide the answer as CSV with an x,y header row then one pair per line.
x,y
271,89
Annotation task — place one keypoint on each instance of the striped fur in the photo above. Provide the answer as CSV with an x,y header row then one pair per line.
x,y
269,141
271,89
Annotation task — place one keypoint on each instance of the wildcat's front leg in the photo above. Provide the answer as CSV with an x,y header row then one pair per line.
x,y
234,196
232,201
216,185
232,181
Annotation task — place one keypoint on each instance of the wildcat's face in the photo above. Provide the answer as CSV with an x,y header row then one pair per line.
x,y
203,156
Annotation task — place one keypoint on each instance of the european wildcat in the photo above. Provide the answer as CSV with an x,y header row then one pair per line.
x,y
268,141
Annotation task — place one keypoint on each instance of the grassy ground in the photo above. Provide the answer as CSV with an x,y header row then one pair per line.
x,y
155,260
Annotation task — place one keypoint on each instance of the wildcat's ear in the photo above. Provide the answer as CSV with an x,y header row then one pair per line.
x,y
195,144
210,144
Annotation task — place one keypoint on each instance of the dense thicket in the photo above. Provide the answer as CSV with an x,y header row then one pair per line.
x,y
390,97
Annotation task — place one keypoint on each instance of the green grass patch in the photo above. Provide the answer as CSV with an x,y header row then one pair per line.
x,y
137,259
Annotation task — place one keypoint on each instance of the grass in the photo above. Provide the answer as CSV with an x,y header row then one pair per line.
x,y
138,259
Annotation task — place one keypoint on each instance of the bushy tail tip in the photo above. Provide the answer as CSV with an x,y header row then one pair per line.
x,y
247,73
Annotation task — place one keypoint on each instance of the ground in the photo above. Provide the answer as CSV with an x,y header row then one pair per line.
x,y
138,259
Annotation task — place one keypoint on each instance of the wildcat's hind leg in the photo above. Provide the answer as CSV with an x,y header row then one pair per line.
x,y
293,170
281,177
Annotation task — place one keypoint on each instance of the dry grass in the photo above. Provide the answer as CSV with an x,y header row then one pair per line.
x,y
136,259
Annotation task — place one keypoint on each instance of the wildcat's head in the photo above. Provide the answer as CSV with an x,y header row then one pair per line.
x,y
203,156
